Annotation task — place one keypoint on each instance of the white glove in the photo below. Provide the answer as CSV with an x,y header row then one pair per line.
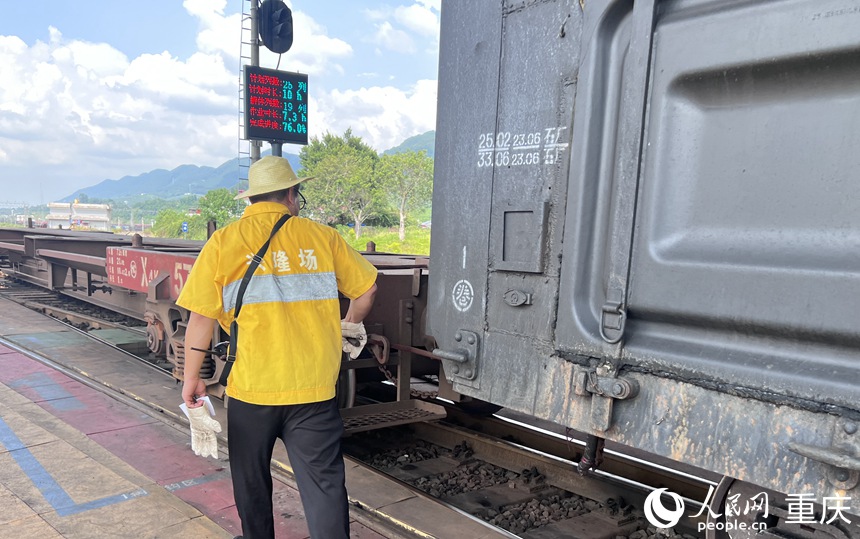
x,y
203,430
354,337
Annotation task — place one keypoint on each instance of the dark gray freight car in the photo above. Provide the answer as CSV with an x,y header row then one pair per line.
x,y
646,227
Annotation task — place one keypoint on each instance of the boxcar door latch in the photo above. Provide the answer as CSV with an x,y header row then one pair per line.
x,y
844,468
613,316
604,386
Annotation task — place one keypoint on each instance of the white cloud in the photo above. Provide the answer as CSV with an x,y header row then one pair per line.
x,y
382,116
98,58
395,27
393,39
73,112
418,18
223,37
217,33
66,100
313,51
431,4
14,78
377,14
210,12
161,76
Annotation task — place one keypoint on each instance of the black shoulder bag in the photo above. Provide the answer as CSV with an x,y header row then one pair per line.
x,y
234,325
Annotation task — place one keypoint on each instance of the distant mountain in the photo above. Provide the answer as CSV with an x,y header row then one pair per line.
x,y
192,179
425,141
183,180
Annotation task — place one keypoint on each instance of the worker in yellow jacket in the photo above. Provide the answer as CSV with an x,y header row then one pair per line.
x,y
287,361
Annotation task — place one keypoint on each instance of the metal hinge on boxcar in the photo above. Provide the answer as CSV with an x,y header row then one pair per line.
x,y
604,387
463,356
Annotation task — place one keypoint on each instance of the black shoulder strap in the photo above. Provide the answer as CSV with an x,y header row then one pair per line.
x,y
234,326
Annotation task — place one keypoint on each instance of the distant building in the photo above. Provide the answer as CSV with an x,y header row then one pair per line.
x,y
81,216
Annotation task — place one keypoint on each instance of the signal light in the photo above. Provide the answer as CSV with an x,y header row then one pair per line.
x,y
276,25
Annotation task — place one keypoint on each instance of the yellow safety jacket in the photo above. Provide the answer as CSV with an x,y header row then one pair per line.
x,y
289,346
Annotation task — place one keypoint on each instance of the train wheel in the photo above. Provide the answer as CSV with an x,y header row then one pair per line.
x,y
155,338
739,510
716,507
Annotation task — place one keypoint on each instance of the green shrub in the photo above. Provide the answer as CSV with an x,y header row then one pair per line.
x,y
387,240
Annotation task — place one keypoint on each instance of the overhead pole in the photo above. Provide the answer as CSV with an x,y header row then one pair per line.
x,y
278,39
255,61
276,146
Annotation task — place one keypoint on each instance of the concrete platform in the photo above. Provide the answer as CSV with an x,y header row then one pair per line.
x,y
76,461
58,481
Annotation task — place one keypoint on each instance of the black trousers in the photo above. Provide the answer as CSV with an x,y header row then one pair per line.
x,y
311,434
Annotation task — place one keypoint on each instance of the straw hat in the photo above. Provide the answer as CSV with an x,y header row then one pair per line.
x,y
270,174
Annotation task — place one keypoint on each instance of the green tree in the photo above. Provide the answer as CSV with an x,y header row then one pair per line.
x,y
153,205
318,148
168,223
346,188
344,185
219,205
407,178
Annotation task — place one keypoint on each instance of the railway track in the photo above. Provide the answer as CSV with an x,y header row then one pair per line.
x,y
533,491
111,328
510,475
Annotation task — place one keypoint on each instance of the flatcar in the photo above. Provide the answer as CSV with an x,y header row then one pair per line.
x,y
142,277
646,227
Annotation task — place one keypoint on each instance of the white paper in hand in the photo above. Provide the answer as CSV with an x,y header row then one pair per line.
x,y
205,401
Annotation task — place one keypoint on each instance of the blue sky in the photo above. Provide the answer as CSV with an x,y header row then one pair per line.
x,y
98,90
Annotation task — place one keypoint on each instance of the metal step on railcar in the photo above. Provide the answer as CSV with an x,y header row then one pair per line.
x,y
389,414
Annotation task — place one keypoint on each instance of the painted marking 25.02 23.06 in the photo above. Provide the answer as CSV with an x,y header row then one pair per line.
x,y
506,149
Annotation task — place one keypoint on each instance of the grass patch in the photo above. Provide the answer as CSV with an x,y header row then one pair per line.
x,y
387,240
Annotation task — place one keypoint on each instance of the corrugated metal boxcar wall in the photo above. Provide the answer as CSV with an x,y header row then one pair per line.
x,y
507,84
646,226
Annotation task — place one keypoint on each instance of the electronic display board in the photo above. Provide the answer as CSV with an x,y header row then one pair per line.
x,y
276,105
